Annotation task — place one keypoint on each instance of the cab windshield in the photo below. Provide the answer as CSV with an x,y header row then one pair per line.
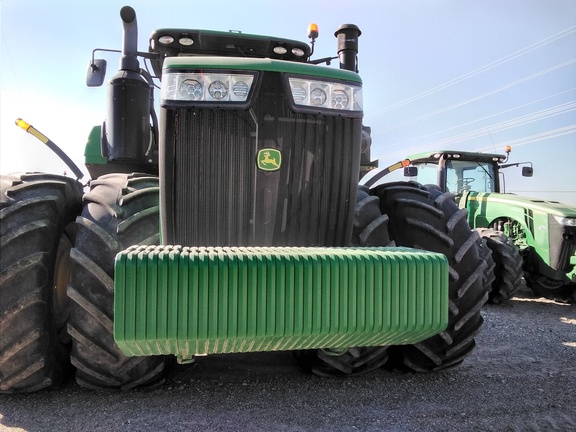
x,y
463,176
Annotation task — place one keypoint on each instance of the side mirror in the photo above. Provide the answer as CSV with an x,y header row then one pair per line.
x,y
96,73
410,171
527,171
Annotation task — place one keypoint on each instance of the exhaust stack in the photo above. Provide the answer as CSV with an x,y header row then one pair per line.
x,y
127,128
129,60
347,36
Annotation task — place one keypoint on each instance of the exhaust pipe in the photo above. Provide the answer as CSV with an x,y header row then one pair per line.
x,y
127,128
129,60
347,36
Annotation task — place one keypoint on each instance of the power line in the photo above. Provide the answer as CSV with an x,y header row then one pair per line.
x,y
536,137
466,102
485,117
484,68
518,142
497,127
508,124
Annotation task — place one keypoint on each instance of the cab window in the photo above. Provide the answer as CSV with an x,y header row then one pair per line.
x,y
463,176
427,173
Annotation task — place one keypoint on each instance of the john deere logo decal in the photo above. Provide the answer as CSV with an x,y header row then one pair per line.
x,y
269,159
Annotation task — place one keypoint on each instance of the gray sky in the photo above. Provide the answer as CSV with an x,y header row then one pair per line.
x,y
473,75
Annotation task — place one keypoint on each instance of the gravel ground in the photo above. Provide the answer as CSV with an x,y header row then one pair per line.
x,y
521,377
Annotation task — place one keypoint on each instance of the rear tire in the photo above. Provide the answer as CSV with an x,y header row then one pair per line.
x,y
489,274
35,239
349,362
561,291
370,229
119,211
428,219
508,270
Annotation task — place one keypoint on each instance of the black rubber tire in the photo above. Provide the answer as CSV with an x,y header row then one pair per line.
x,y
370,225
485,252
119,211
36,211
370,229
508,270
489,273
350,362
560,291
430,220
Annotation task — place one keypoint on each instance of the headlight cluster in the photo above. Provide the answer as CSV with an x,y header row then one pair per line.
x,y
206,87
566,221
325,94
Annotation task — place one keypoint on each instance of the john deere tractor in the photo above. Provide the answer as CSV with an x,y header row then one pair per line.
x,y
529,238
232,223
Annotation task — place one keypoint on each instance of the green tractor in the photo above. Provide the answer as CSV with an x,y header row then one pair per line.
x,y
233,222
530,238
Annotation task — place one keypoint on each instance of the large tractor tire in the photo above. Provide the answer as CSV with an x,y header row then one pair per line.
x,y
428,219
370,229
489,274
119,211
508,270
559,290
36,211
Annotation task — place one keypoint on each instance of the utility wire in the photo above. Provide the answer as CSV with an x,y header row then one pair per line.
x,y
480,70
536,137
508,124
448,142
484,118
459,104
518,142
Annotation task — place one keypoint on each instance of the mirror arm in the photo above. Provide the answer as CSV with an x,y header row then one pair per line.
x,y
515,164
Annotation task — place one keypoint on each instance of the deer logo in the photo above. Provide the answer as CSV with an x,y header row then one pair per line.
x,y
269,159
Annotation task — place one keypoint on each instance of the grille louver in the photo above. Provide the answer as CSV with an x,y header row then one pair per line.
x,y
187,301
214,195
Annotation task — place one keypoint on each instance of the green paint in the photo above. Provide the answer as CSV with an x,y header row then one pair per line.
x,y
187,301
531,223
92,151
269,159
257,64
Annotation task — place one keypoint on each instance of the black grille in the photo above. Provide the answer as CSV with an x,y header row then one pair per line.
x,y
213,194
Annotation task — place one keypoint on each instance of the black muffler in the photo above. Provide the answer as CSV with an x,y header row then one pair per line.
x,y
127,128
348,35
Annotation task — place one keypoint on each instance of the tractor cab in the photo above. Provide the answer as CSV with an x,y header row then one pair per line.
x,y
457,172
462,172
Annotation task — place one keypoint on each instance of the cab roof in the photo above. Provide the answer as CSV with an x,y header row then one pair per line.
x,y
186,42
433,156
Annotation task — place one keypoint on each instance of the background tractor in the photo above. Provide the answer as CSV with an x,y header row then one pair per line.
x,y
231,222
529,237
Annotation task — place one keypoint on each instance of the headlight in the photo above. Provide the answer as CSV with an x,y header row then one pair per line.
x,y
325,94
206,87
565,221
